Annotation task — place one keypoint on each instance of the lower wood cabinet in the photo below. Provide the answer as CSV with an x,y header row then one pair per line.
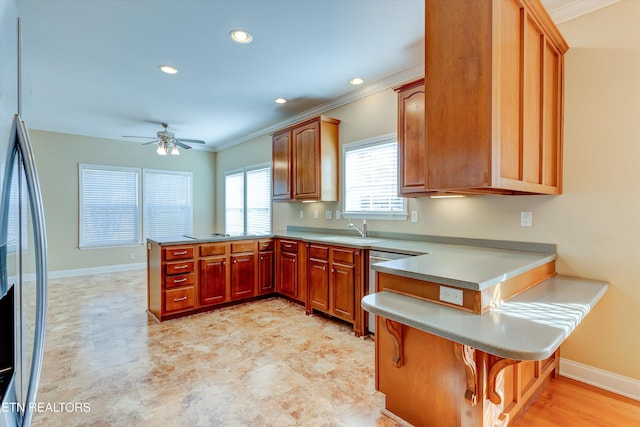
x,y
213,280
336,283
291,269
186,279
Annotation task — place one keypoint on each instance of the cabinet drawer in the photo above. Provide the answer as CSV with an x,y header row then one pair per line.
x,y
344,256
182,252
212,250
181,280
288,246
265,245
319,252
179,299
179,267
244,246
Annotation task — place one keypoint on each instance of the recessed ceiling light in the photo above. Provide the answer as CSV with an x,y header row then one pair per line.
x,y
168,69
356,81
240,36
280,101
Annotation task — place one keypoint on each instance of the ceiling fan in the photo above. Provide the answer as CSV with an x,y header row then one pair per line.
x,y
166,140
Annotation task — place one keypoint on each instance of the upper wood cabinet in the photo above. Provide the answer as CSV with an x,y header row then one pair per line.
x,y
494,105
305,161
412,139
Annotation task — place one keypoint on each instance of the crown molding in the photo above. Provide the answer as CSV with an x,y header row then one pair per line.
x,y
574,8
369,89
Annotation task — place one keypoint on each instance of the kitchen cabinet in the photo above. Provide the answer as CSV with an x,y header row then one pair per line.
x,y
213,273
305,161
265,266
172,270
290,269
494,98
412,139
242,269
336,283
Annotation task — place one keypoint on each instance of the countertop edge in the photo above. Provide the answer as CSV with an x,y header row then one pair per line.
x,y
563,291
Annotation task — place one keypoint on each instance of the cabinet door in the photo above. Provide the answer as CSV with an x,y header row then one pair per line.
x,y
288,274
213,280
265,272
306,161
342,291
319,284
281,169
412,142
242,276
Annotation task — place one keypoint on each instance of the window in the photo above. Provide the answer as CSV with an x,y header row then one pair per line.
x,y
371,179
167,203
248,200
109,206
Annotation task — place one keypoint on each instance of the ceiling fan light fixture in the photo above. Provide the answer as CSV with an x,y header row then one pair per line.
x,y
241,36
162,148
175,151
168,69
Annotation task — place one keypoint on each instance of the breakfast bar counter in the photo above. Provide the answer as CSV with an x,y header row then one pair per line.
x,y
443,365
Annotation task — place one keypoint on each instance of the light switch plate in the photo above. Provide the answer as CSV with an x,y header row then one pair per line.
x,y
414,216
337,214
315,214
301,213
526,219
328,214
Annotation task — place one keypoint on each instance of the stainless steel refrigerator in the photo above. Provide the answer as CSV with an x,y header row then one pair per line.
x,y
23,263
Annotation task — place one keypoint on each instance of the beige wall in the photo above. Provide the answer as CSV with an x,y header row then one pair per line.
x,y
57,156
596,222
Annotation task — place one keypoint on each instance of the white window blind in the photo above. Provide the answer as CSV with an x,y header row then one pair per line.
x,y
167,203
109,206
371,179
234,202
248,200
259,201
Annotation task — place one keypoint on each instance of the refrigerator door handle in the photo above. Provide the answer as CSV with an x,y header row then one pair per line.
x,y
40,241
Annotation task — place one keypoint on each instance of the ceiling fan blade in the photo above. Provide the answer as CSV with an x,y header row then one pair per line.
x,y
131,136
151,142
181,145
193,141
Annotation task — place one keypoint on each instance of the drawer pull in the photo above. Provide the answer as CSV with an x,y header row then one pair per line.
x,y
180,267
179,299
179,252
184,279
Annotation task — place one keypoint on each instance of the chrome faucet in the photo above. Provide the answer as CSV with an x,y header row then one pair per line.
x,y
362,232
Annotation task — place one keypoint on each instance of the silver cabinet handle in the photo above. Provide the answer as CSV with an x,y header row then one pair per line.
x,y
180,253
180,280
179,299
181,267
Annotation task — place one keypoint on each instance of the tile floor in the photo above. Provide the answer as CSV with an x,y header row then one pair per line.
x,y
265,363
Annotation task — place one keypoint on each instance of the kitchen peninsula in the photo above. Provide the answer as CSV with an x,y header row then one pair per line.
x,y
470,366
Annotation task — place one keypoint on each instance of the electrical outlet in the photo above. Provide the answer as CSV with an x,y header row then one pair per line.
x,y
315,214
451,295
526,219
337,214
328,214
301,213
132,255
414,216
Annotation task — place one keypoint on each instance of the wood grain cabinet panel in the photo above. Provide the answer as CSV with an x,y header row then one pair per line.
x,y
494,107
213,280
242,276
265,272
305,161
319,284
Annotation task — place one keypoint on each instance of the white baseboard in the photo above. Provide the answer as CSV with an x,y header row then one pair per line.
x,y
96,270
605,380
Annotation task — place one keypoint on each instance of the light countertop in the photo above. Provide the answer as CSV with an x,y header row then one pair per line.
x,y
530,326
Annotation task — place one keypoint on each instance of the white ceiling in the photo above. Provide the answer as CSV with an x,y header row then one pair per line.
x,y
91,67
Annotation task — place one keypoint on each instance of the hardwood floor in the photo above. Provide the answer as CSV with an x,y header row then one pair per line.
x,y
260,364
569,403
